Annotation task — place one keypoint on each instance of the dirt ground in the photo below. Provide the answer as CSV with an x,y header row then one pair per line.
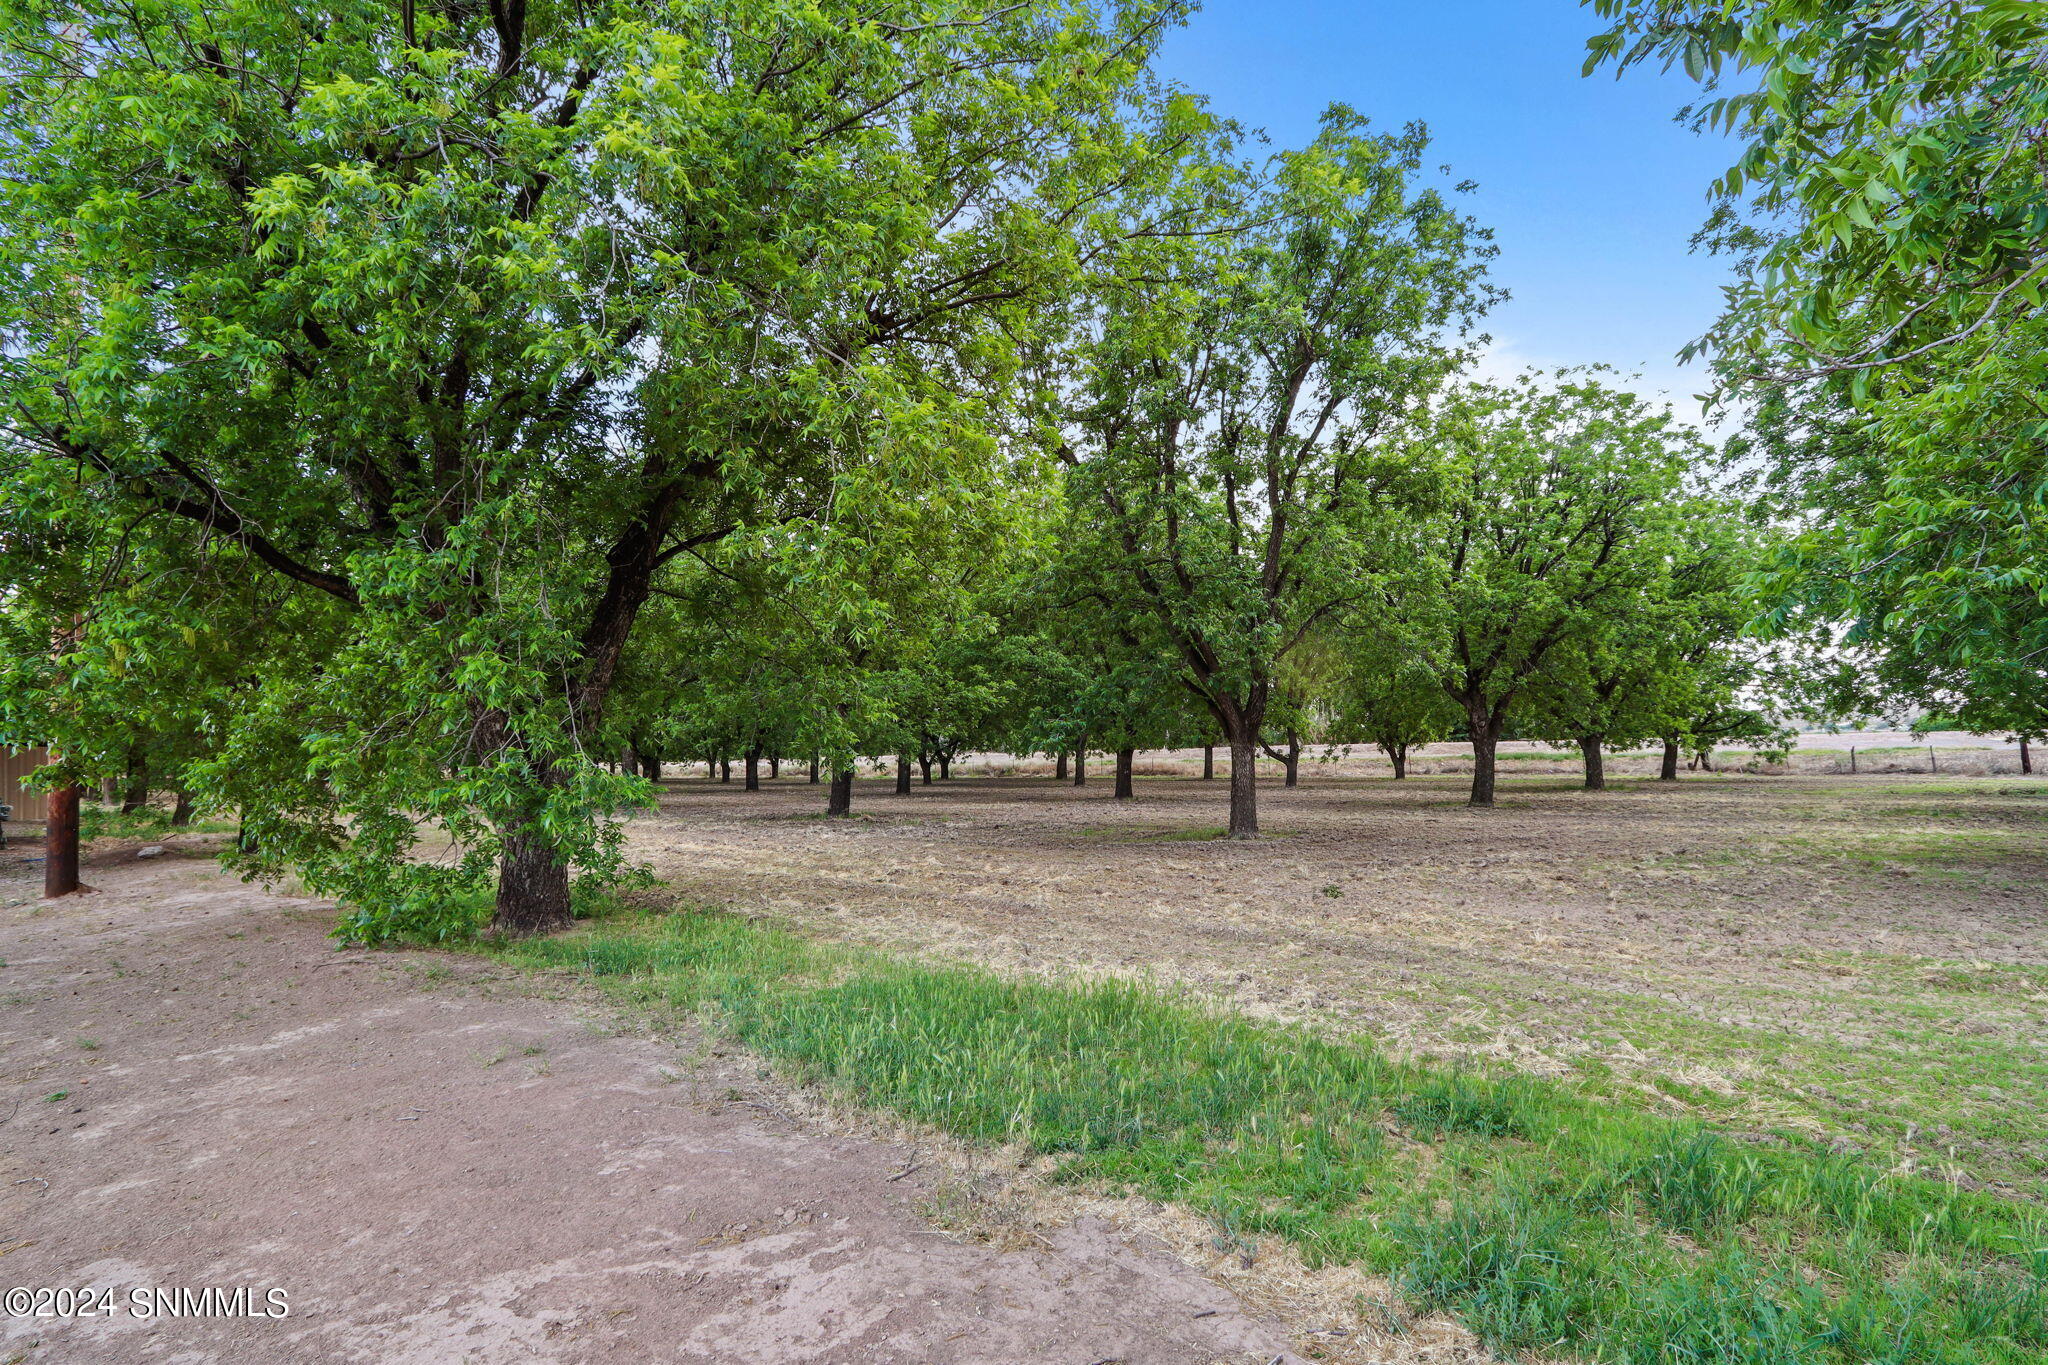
x,y
438,1165
1862,960
440,1161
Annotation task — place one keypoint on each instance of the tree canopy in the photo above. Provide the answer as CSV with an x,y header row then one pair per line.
x,y
468,320
425,423
1886,225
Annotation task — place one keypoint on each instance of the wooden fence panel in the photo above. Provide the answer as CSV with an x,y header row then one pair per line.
x,y
16,764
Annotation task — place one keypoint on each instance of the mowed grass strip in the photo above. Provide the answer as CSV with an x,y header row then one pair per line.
x,y
1548,1221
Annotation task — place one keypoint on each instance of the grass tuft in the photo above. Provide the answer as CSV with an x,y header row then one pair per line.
x,y
1549,1221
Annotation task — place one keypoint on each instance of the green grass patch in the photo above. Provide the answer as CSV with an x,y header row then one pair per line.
x,y
1547,1219
110,822
2032,787
1988,978
1967,844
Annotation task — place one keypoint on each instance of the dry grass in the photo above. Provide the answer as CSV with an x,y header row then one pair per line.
x,y
1860,959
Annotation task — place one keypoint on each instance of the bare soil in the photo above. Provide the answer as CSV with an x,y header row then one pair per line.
x,y
438,1165
1863,960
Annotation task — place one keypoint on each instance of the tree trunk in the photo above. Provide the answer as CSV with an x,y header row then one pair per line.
x,y
1081,766
945,767
814,768
1669,772
1596,768
137,795
753,770
1485,740
1244,783
903,774
181,810
1293,762
109,790
1124,786
1059,767
1399,753
724,768
711,768
533,888
2026,756
60,843
650,768
774,766
839,801
1208,763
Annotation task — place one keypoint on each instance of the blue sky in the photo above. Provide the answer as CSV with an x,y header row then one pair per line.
x,y
1592,191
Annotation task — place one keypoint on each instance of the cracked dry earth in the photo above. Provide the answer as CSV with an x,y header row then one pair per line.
x,y
438,1166
1863,959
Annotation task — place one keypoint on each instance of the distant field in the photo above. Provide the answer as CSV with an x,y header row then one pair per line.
x,y
1880,751
1864,960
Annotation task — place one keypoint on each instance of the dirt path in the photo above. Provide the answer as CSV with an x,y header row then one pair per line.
x,y
437,1166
